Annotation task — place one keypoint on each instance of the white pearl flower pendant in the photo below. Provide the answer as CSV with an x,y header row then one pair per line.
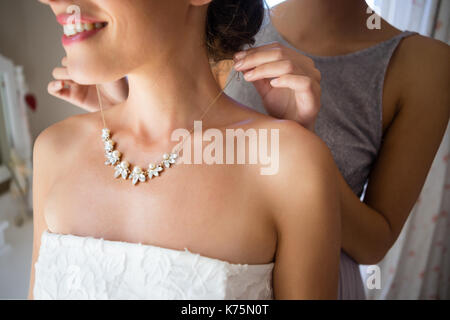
x,y
137,175
122,167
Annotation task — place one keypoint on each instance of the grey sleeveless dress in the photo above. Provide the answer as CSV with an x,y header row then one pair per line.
x,y
349,122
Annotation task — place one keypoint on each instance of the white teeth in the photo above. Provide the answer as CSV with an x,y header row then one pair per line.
x,y
72,29
88,26
80,27
69,29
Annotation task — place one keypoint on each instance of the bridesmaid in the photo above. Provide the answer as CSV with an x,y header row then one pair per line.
x,y
382,109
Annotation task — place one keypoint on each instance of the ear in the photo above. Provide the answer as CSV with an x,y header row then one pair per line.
x,y
199,2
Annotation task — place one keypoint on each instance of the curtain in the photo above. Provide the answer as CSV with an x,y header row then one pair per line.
x,y
418,265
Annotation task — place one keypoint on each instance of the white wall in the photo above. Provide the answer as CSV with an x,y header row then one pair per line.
x,y
30,36
15,263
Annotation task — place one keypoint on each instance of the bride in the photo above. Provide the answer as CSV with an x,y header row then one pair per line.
x,y
194,231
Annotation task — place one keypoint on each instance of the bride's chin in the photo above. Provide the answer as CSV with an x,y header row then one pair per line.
x,y
91,68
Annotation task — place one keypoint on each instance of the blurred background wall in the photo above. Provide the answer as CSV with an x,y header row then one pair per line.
x,y
30,36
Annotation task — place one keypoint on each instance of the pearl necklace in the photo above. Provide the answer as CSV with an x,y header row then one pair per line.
x,y
122,167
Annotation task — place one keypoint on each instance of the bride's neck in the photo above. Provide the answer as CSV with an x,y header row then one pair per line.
x,y
168,95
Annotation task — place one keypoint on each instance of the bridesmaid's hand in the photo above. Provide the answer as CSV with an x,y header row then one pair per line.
x,y
287,81
85,96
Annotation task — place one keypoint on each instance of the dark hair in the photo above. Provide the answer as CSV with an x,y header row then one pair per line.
x,y
232,24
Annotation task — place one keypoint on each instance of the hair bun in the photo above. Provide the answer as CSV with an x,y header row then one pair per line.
x,y
232,24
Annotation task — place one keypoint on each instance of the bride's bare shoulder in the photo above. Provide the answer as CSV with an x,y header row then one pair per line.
x,y
299,159
69,129
62,140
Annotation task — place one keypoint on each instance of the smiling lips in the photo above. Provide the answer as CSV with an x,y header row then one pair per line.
x,y
76,31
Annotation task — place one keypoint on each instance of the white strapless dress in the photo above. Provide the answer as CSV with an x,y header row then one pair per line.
x,y
72,267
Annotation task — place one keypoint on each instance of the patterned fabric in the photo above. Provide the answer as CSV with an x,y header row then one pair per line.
x,y
418,265
72,267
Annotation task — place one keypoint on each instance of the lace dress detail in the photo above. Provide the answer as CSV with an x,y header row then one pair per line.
x,y
72,267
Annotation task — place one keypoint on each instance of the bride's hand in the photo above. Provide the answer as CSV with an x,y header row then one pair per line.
x,y
287,81
85,96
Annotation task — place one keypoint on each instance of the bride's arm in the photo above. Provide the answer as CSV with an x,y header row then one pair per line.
x,y
307,218
42,168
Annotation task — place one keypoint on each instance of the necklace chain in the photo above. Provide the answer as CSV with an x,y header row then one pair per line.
x,y
122,167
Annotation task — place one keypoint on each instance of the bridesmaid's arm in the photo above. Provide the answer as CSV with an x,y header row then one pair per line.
x,y
306,214
370,228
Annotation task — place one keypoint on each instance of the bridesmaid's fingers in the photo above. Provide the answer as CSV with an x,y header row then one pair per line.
x,y
60,74
64,89
271,53
55,86
242,54
258,58
305,88
295,82
63,93
262,86
273,70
